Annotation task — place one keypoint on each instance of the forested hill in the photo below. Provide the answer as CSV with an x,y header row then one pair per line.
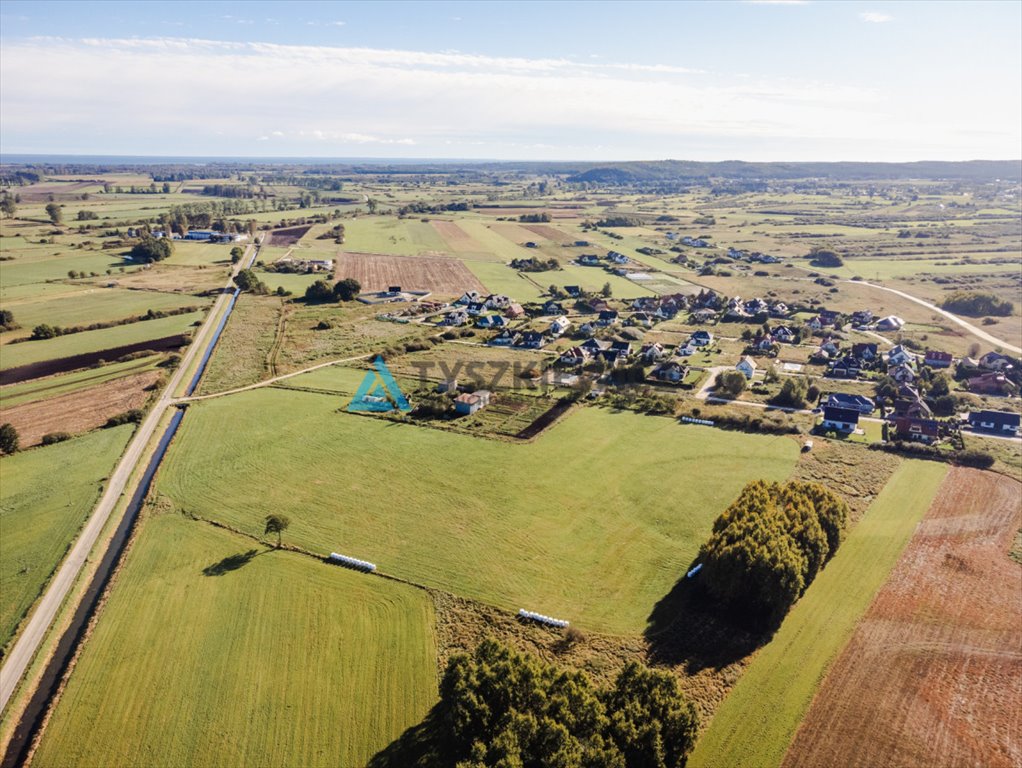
x,y
680,170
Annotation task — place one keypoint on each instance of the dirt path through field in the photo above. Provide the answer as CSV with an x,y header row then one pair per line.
x,y
933,674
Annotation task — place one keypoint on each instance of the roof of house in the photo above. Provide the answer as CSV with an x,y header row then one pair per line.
x,y
748,361
934,354
998,418
843,400
836,413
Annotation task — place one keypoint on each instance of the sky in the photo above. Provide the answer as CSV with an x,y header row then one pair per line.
x,y
757,80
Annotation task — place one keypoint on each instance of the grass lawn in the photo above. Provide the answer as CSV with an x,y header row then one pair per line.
x,y
45,496
500,278
14,355
279,660
594,521
758,719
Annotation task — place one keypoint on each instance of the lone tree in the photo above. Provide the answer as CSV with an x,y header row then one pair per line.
x,y
731,382
55,213
347,289
7,322
276,524
247,280
319,292
7,206
8,438
607,291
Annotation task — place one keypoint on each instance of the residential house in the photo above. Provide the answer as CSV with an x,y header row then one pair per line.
x,y
756,306
997,422
704,315
866,352
491,321
587,329
899,355
532,340
991,383
779,309
497,301
707,299
910,403
622,348
455,317
829,348
617,258
651,353
815,323
916,429
559,325
762,343
470,402
902,374
671,372
840,419
573,291
701,339
594,346
847,367
607,317
506,338
859,403
668,310
574,356
862,317
747,366
514,311
995,361
476,308
581,243
589,260
643,319
469,297
552,308
597,305
783,334
890,323
937,359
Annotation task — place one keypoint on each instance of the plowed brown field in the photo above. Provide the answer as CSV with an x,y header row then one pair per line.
x,y
933,674
552,234
78,411
457,239
376,272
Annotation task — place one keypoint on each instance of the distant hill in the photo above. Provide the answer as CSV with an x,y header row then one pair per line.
x,y
681,170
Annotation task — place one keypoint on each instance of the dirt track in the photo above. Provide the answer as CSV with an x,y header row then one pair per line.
x,y
933,673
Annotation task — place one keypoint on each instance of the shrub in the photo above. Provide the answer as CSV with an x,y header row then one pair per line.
x,y
971,457
55,437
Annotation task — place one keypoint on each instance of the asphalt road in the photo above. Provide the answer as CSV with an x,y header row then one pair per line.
x,y
32,635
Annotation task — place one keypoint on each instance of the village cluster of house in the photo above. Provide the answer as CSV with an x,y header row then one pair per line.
x,y
493,311
753,257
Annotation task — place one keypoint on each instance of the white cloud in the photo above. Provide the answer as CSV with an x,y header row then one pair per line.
x,y
875,17
69,95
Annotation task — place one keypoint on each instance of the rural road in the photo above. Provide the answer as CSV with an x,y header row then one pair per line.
x,y
32,635
977,332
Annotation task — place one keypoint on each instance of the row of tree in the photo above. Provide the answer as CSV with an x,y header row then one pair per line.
x,y
501,708
767,547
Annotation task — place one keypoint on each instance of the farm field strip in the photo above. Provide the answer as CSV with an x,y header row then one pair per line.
x,y
538,524
377,272
15,355
931,675
313,664
39,517
756,722
39,389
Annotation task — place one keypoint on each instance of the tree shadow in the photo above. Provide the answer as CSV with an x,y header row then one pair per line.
x,y
415,747
230,563
687,627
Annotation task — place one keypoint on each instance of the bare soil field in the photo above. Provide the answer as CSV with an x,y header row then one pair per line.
x,y
80,411
550,233
376,272
287,237
931,675
457,239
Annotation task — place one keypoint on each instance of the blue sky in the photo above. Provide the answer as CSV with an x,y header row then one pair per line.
x,y
574,81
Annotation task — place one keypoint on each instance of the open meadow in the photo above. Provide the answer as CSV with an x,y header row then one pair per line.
x,y
282,660
594,521
46,495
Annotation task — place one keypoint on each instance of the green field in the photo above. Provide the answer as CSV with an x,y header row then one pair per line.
x,y
14,355
500,278
202,254
45,496
404,237
281,661
594,521
758,719
94,305
51,386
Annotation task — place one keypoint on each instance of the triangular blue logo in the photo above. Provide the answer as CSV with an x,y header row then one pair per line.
x,y
378,392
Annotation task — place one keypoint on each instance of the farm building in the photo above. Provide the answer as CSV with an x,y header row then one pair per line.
x,y
470,402
747,366
997,422
840,419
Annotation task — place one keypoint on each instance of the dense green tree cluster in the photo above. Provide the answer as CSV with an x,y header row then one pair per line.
x,y
249,281
501,708
731,383
150,249
768,546
321,291
534,218
977,304
821,257
794,393
7,321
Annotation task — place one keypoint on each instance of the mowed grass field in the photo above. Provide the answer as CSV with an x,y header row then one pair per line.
x,y
14,355
759,718
595,521
282,660
39,516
